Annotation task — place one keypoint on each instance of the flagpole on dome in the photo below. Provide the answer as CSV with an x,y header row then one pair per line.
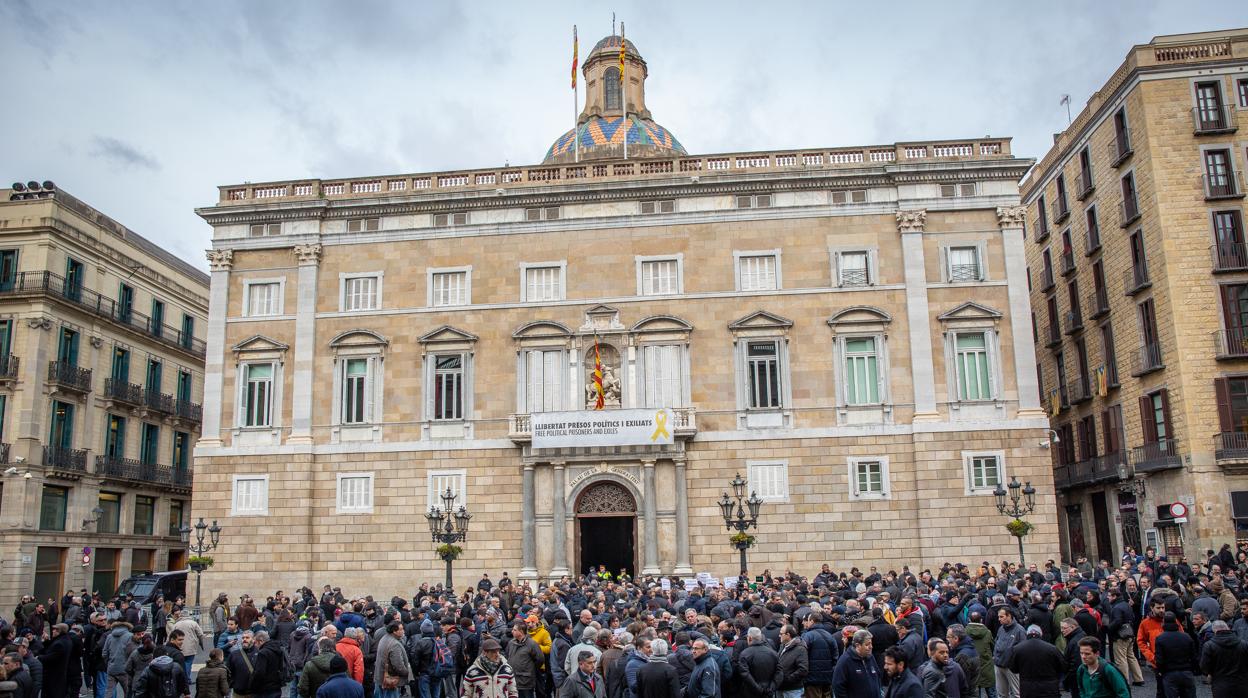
x,y
623,92
576,133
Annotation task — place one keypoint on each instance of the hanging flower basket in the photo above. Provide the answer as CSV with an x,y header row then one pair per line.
x,y
199,563
742,540
446,551
1019,528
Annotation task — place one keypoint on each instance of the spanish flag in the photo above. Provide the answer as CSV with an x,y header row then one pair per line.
x,y
574,56
601,401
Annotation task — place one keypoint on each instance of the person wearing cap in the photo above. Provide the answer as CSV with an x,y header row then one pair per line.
x,y
1039,666
1174,656
490,675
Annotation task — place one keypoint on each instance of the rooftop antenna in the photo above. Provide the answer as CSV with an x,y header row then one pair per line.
x,y
1066,102
612,24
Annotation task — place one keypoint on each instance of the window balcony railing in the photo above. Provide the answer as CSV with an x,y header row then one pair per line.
x,y
157,401
1106,468
1128,211
1207,121
1091,242
1084,185
1061,211
964,272
1135,280
8,367
1068,262
1148,358
1046,279
124,392
1160,455
47,283
854,277
1074,321
1230,256
1042,226
69,377
520,426
1120,148
1232,343
189,411
1225,186
1053,334
1080,390
74,459
136,471
1099,303
1230,445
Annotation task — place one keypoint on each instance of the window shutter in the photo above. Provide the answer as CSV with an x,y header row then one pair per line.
x,y
1165,414
836,268
872,267
944,264
1222,387
1147,423
429,389
981,251
671,376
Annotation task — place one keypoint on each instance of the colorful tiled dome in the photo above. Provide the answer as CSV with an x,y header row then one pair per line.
x,y
605,133
613,42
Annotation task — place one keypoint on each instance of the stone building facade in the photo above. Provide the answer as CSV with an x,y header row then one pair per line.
x,y
1138,271
845,327
101,382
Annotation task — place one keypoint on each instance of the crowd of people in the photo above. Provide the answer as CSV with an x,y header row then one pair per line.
x,y
953,632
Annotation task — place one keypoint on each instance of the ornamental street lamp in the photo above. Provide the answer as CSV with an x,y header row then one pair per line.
x,y
448,526
198,548
1022,501
735,517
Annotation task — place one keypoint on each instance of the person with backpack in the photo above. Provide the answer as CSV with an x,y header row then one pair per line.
x,y
272,668
163,678
1099,678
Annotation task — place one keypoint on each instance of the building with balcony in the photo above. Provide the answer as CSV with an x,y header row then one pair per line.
x,y
101,386
1157,157
845,327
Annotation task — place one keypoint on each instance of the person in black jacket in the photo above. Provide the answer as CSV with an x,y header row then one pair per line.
x,y
658,679
1040,667
1225,659
911,643
901,683
1174,655
15,671
883,634
55,660
821,654
758,666
794,663
270,668
1073,634
1120,629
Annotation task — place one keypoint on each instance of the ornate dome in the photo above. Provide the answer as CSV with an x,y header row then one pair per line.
x,y
613,42
603,136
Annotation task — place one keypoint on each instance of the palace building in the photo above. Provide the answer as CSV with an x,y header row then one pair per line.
x,y
1138,271
845,327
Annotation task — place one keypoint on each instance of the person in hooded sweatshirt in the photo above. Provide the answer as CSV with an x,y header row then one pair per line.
x,y
340,684
117,649
139,658
316,671
163,669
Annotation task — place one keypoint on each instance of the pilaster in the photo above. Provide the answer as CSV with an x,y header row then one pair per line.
x,y
219,262
309,258
911,224
1011,218
559,522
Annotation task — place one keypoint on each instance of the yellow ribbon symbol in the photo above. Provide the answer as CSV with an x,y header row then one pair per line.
x,y
660,426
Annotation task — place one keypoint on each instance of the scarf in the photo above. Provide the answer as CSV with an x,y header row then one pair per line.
x,y
490,668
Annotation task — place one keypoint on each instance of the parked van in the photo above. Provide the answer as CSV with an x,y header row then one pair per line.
x,y
146,587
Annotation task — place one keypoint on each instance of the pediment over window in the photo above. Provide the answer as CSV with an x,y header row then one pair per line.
x,y
541,329
860,315
602,318
259,344
358,338
661,323
760,320
970,310
447,335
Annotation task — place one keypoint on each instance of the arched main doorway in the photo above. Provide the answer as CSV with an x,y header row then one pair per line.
x,y
606,528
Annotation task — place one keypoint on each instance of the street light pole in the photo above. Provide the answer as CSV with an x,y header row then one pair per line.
x,y
448,526
735,517
198,548
1022,502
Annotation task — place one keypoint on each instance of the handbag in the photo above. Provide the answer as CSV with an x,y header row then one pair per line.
x,y
389,682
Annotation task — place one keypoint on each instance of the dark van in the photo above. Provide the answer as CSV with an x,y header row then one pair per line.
x,y
146,587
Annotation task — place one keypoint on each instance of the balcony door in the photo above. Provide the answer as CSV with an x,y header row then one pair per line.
x,y
8,269
61,434
67,348
73,279
1235,316
1209,104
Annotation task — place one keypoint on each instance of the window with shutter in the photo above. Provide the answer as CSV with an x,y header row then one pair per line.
x,y
770,480
439,481
544,388
659,277
758,273
1148,419
251,495
355,493
663,376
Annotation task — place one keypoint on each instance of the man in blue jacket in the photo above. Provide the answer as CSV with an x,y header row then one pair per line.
x,y
704,681
856,674
821,649
901,683
339,684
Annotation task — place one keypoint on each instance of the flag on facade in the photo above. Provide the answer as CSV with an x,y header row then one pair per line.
x,y
574,56
1055,403
601,399
1102,381
621,55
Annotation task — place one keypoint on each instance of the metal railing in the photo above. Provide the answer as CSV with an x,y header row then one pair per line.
x,y
1074,321
1232,343
65,458
1080,390
8,366
1092,241
1068,262
1046,279
123,391
1135,279
1120,148
854,277
136,471
1053,334
1128,211
1210,120
1099,303
1221,186
190,411
1230,445
1148,358
1159,455
964,272
1084,185
45,282
69,376
4,452
1104,468
1061,210
1229,256
157,401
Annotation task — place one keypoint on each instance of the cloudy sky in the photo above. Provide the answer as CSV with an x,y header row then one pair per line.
x,y
143,108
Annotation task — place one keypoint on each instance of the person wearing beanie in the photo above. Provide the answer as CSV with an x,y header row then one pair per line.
x,y
1174,656
340,684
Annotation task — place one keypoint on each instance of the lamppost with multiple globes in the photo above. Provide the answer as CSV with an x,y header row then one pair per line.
x,y
1022,501
448,526
735,517
198,548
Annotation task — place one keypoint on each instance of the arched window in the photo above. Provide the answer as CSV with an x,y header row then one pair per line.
x,y
611,89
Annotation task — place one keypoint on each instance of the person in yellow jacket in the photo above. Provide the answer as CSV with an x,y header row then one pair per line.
x,y
538,632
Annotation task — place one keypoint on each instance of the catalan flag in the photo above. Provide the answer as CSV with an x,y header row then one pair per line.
x,y
621,55
601,401
574,56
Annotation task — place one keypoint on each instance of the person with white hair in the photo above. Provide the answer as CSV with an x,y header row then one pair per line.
x,y
658,679
759,666
588,643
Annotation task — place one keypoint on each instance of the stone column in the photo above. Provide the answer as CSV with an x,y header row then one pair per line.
x,y
220,262
559,524
528,527
650,563
682,521
910,224
1011,218
309,257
